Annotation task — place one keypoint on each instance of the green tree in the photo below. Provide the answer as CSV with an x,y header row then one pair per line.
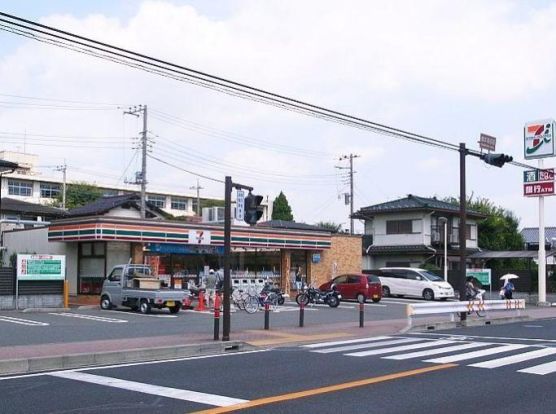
x,y
329,225
79,194
498,231
281,209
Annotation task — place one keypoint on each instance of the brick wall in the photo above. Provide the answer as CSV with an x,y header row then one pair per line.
x,y
344,256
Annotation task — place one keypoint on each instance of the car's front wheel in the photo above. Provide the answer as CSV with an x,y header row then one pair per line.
x,y
428,294
105,303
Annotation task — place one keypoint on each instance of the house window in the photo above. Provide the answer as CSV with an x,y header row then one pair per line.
x,y
49,190
20,188
179,203
157,200
194,205
399,227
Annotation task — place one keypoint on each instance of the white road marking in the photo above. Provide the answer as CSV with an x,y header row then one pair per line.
x,y
476,354
142,314
514,359
90,317
437,351
505,338
400,348
532,326
366,345
20,321
542,369
167,392
349,341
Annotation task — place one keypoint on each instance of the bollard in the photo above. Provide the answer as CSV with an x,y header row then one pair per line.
x,y
301,314
361,315
266,316
217,317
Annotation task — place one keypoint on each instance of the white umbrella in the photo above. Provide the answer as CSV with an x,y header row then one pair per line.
x,y
509,276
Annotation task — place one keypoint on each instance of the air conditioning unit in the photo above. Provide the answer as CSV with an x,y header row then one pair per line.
x,y
435,236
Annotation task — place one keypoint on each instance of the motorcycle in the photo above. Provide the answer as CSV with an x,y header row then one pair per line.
x,y
316,296
269,289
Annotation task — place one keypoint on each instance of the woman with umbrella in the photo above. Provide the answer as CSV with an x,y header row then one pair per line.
x,y
507,290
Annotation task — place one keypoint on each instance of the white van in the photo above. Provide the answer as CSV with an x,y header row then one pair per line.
x,y
410,281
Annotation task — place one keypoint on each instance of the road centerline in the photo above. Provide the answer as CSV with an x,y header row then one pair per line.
x,y
324,390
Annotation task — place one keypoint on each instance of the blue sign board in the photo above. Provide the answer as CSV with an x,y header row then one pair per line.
x,y
316,257
175,248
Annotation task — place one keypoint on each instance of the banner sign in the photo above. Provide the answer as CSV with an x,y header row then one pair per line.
x,y
482,275
532,176
538,139
41,267
538,189
240,205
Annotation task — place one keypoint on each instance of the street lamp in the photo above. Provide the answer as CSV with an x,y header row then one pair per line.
x,y
444,220
5,167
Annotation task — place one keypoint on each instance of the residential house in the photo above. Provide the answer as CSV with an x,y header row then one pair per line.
x,y
409,232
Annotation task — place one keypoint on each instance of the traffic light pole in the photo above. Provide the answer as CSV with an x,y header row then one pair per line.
x,y
462,227
228,185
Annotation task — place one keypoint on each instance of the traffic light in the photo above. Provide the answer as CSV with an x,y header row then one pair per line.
x,y
253,209
497,160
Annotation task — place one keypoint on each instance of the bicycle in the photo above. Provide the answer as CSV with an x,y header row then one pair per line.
x,y
479,310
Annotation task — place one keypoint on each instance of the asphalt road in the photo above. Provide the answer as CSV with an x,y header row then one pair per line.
x,y
487,370
78,325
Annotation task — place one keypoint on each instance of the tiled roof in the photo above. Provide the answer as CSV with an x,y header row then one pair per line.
x,y
105,204
531,234
291,225
408,248
412,203
11,204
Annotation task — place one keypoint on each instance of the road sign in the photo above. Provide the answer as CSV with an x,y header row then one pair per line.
x,y
487,142
538,139
533,176
240,205
538,189
482,275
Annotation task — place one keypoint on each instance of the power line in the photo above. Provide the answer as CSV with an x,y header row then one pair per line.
x,y
184,170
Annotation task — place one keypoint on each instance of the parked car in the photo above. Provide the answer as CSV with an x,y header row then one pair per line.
x,y
408,281
356,286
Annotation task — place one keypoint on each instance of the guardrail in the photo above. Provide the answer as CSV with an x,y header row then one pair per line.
x,y
452,308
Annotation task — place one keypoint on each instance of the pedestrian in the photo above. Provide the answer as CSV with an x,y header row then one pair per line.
x,y
298,278
508,289
470,289
210,287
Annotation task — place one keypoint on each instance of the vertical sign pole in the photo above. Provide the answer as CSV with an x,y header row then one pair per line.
x,y
446,251
227,253
462,227
542,253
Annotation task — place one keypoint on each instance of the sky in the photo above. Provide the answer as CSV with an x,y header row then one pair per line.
x,y
447,70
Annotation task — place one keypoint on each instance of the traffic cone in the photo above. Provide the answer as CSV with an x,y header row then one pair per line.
x,y
201,304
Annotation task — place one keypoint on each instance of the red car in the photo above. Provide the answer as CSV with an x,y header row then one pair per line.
x,y
357,286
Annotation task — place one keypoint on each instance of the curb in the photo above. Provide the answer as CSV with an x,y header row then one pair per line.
x,y
467,323
53,363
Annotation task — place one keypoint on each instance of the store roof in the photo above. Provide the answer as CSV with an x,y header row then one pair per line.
x,y
412,203
11,204
290,225
510,254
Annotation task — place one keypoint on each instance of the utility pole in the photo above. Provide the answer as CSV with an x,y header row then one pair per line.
x,y
350,157
63,168
142,179
197,187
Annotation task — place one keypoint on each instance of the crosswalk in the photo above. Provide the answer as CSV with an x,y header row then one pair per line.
x,y
477,354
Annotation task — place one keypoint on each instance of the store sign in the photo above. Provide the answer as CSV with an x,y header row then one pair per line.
x,y
41,267
316,258
175,248
538,189
533,176
487,142
538,139
482,275
199,237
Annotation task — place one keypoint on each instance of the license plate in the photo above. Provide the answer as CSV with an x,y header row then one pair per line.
x,y
375,296
170,303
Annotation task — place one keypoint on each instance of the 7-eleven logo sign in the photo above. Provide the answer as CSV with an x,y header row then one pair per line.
x,y
539,139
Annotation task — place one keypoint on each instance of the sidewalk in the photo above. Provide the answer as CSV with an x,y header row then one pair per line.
x,y
33,358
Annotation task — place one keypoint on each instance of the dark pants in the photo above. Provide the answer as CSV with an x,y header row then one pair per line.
x,y
508,294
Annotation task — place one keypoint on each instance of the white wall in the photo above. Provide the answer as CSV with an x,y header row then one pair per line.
x,y
36,241
117,253
421,231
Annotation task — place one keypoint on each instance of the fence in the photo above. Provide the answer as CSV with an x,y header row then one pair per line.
x,y
32,293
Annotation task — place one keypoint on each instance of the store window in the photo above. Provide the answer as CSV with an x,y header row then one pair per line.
x,y
92,267
157,200
179,203
50,190
20,188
